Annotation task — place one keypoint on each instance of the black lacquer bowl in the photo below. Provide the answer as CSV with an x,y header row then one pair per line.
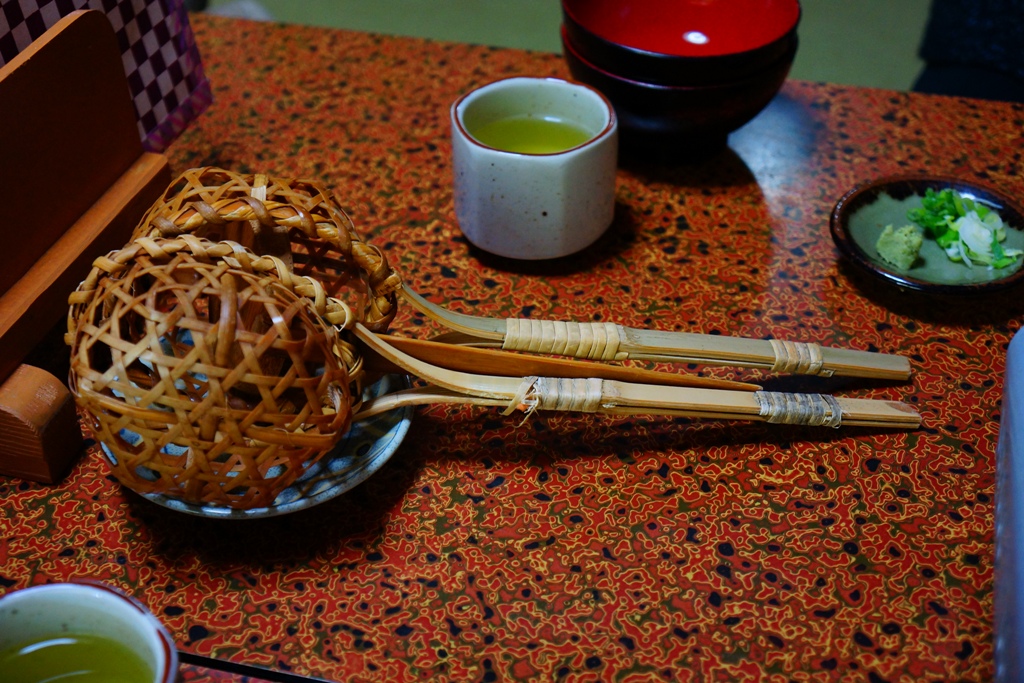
x,y
681,120
682,42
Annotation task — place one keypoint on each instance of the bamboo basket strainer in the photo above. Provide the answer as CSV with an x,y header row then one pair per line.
x,y
209,373
205,352
217,367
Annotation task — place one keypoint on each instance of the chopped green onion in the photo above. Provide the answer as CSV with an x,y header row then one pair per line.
x,y
965,228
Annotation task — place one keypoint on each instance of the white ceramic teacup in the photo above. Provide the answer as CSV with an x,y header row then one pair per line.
x,y
543,203
91,609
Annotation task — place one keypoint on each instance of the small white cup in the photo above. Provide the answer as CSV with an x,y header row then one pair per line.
x,y
534,205
88,609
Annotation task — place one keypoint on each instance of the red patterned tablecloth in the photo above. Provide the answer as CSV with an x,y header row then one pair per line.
x,y
582,548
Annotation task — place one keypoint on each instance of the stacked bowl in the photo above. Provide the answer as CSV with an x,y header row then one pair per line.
x,y
682,74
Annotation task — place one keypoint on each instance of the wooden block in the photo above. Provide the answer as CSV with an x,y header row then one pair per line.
x,y
39,431
67,133
30,308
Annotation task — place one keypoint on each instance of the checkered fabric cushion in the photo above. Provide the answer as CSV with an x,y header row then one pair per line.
x,y
161,61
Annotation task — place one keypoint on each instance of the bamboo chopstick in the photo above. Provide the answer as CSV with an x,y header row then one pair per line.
x,y
610,341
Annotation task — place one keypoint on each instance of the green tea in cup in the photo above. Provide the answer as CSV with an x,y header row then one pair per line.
x,y
84,632
534,162
73,658
531,134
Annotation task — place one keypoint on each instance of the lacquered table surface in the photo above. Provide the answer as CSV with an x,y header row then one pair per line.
x,y
582,548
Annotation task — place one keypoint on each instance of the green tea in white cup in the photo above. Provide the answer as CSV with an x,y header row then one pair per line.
x,y
531,134
534,162
85,632
73,658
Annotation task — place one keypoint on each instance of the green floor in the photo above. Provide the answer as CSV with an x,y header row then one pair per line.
x,y
857,42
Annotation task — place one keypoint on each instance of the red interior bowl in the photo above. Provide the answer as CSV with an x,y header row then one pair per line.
x,y
682,42
676,122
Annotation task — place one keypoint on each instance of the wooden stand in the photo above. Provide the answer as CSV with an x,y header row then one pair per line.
x,y
74,182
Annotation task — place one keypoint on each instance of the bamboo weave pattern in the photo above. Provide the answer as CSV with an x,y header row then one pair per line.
x,y
204,352
298,221
210,373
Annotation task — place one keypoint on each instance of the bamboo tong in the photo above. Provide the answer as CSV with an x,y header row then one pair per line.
x,y
462,369
599,388
610,341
